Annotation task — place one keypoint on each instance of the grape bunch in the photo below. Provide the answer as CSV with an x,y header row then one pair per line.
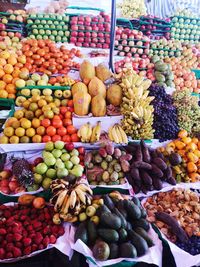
x,y
192,246
165,114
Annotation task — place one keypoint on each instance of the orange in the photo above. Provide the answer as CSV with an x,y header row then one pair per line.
x,y
10,121
20,132
35,123
3,93
36,139
16,73
30,132
40,130
8,68
2,85
11,96
10,88
5,54
7,78
8,131
2,62
14,80
12,60
1,73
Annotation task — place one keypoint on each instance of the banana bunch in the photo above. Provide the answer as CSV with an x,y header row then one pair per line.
x,y
89,134
136,107
70,200
117,134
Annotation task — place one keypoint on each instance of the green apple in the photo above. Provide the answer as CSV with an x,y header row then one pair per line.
x,y
57,153
37,21
58,38
33,15
49,22
42,32
69,165
49,146
57,22
50,161
64,150
59,27
65,157
34,27
45,37
62,23
77,171
54,32
59,164
48,32
74,152
66,18
52,16
62,172
46,183
29,21
35,31
65,27
41,168
59,145
61,33
75,160
38,178
46,16
51,173
39,37
43,22
65,39
40,16
33,187
40,26
32,36
67,33
60,17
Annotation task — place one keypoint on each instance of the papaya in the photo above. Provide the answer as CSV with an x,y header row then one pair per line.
x,y
114,95
98,106
96,87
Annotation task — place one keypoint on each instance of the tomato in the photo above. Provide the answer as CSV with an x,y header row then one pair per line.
x,y
81,150
56,117
45,123
41,43
67,122
66,138
71,129
51,131
35,57
41,52
57,123
63,110
68,115
56,138
70,103
62,131
61,117
46,139
75,137
69,146
52,80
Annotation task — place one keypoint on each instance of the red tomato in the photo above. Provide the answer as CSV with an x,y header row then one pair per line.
x,y
70,103
81,150
67,122
51,131
66,138
63,110
61,117
71,129
57,123
68,115
56,117
62,131
45,123
46,139
75,138
56,138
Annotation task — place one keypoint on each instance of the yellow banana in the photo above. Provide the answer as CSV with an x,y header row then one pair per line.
x,y
81,195
89,132
82,132
110,136
65,205
115,135
60,200
123,135
72,199
118,134
96,132
85,188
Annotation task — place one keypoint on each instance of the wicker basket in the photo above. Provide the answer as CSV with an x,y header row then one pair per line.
x,y
5,5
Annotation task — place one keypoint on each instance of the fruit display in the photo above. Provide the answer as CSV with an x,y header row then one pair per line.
x,y
165,114
117,135
190,56
58,160
172,217
184,78
136,107
141,66
163,73
27,227
87,134
72,200
18,178
133,9
148,168
165,48
122,230
10,44
107,166
14,15
41,119
11,64
47,58
154,27
185,27
131,42
90,31
48,26
188,111
184,156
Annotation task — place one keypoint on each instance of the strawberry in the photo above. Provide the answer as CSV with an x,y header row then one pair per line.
x,y
17,237
52,239
26,241
36,225
41,246
7,214
47,230
46,241
38,238
17,252
24,233
61,231
9,238
10,247
27,250
2,231
2,254
9,255
18,245
34,247
30,228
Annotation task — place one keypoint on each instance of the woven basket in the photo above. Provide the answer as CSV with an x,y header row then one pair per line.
x,y
4,5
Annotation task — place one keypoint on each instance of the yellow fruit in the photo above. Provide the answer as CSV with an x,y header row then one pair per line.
x,y
36,139
79,86
3,93
96,87
19,114
20,83
20,132
102,72
33,107
114,95
5,54
42,103
8,68
26,104
38,113
8,131
4,139
14,139
29,114
16,124
30,132
10,121
35,123
26,124
24,139
87,70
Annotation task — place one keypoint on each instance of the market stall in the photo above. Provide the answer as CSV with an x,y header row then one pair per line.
x,y
100,137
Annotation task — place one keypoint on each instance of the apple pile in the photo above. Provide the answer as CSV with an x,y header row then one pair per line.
x,y
58,161
185,27
9,184
90,31
10,43
48,26
154,27
131,42
43,56
25,228
165,48
140,65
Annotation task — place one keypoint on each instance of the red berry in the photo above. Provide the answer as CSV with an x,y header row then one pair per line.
x,y
9,238
41,246
17,237
46,241
27,241
52,239
2,254
27,250
18,245
17,252
2,231
34,247
9,255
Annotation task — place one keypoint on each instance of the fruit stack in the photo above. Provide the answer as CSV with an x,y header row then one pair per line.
x,y
186,27
45,26
131,42
90,31
154,27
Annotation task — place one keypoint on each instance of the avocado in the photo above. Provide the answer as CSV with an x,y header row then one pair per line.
x,y
136,201
140,231
108,235
141,223
122,235
101,209
101,251
110,220
120,207
143,213
108,202
175,159
114,251
92,232
123,220
81,233
133,211
139,242
127,250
